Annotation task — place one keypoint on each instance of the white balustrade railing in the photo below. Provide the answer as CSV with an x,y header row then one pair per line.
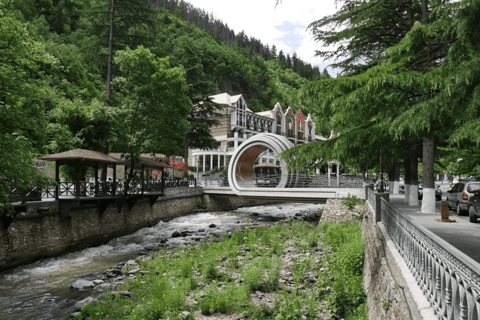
x,y
371,197
449,279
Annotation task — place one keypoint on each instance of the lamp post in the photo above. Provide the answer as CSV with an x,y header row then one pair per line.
x,y
459,160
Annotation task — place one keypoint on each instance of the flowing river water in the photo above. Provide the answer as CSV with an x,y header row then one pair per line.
x,y
41,290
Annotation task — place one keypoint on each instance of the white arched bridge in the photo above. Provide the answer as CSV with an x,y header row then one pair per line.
x,y
251,179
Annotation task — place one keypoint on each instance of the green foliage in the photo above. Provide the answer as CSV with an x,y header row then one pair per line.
x,y
202,206
350,202
22,103
210,272
385,304
346,279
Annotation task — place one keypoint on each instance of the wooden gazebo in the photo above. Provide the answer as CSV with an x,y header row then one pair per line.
x,y
83,157
151,164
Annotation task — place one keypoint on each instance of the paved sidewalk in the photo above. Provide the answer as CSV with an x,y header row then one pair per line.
x,y
462,234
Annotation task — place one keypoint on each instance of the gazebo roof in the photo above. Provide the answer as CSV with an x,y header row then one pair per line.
x,y
154,163
266,165
81,155
147,162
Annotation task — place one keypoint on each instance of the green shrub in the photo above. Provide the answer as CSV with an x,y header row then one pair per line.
x,y
210,272
202,206
350,202
253,276
205,307
337,234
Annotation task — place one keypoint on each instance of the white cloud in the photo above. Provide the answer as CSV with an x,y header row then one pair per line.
x,y
259,19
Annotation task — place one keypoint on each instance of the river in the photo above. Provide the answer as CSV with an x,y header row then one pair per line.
x,y
41,290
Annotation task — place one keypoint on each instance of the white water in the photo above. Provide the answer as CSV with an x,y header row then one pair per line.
x,y
41,290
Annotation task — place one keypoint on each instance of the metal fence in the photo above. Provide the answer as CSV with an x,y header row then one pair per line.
x,y
293,181
449,280
87,189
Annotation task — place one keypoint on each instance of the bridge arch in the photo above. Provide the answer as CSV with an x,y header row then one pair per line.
x,y
242,161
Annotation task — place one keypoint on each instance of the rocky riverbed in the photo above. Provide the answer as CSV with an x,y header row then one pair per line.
x,y
52,288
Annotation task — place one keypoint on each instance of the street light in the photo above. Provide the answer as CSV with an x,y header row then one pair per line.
x,y
459,160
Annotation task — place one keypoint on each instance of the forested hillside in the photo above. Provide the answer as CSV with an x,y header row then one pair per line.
x,y
79,74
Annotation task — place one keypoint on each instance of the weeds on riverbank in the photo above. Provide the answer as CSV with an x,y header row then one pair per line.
x,y
283,272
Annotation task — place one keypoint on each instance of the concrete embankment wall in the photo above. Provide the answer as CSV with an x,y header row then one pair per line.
x,y
33,236
381,274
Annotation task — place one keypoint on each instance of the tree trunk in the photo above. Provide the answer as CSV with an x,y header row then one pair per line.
x,y
391,178
109,80
110,53
424,11
428,201
185,150
406,166
413,195
396,178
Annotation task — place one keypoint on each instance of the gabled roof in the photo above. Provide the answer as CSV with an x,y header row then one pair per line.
x,y
223,98
234,99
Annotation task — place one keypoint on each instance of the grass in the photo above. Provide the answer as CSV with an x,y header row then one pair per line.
x,y
220,276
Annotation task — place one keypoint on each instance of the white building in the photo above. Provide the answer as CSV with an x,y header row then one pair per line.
x,y
238,123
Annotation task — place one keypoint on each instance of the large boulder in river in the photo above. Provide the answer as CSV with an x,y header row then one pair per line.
x,y
176,234
82,285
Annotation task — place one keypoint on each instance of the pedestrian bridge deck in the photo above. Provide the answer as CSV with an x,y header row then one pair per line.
x,y
310,195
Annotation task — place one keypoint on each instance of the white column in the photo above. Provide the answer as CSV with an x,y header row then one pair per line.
x,y
219,162
225,161
329,170
338,171
203,163
211,161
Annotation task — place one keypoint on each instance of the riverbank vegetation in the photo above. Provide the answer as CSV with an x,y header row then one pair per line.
x,y
287,271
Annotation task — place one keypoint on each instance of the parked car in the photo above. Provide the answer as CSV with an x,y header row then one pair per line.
x,y
438,192
473,205
457,197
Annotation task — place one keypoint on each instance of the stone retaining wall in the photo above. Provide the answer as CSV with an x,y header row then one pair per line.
x,y
34,236
382,276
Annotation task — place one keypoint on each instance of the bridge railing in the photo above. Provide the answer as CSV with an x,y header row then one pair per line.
x,y
372,198
449,279
295,181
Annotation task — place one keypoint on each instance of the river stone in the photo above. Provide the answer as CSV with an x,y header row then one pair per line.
x,y
82,285
133,271
213,225
176,234
102,287
80,304
116,272
97,282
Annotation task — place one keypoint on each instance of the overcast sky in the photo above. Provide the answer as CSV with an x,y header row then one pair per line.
x,y
284,26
